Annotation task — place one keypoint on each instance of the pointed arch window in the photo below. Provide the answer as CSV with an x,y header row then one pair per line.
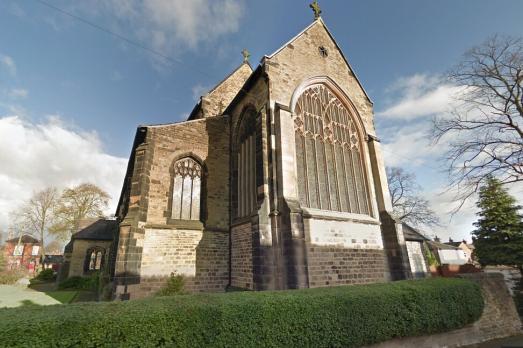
x,y
186,189
329,154
245,163
94,259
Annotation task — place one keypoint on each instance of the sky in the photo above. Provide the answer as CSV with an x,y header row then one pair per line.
x,y
72,94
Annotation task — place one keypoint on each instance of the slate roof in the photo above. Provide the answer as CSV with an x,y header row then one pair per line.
x,y
442,246
100,230
26,239
410,233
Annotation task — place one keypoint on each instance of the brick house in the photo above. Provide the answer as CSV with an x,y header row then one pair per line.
x,y
275,181
22,252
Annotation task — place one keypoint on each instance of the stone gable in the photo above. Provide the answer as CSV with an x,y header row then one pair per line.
x,y
217,100
301,60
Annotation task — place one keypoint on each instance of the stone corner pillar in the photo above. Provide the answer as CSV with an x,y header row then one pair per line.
x,y
290,228
391,228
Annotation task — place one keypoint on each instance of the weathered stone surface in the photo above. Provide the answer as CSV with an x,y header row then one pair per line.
x,y
80,247
241,256
215,102
278,244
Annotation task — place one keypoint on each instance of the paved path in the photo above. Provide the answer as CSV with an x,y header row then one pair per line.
x,y
17,295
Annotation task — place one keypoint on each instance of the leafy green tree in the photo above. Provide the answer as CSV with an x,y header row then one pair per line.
x,y
76,204
498,237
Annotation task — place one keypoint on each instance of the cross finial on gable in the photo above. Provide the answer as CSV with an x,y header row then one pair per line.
x,y
246,55
316,9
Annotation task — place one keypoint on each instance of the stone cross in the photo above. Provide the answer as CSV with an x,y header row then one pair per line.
x,y
246,55
316,9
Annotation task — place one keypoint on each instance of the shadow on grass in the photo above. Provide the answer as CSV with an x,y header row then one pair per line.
x,y
29,303
63,296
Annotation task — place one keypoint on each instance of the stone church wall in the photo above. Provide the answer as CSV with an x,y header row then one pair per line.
x,y
241,256
208,141
200,256
344,252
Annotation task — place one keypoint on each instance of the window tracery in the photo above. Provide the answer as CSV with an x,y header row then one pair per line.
x,y
329,154
186,189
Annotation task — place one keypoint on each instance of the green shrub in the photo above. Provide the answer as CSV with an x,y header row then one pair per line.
x,y
46,275
348,316
80,283
174,286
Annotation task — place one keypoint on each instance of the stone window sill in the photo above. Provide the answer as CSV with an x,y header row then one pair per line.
x,y
311,213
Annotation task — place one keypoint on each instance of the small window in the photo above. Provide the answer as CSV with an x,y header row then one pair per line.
x,y
19,250
35,250
94,259
323,51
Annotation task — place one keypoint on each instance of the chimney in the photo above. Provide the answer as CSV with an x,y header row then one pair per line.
x,y
450,240
436,239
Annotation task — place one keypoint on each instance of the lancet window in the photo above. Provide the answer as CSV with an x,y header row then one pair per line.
x,y
246,166
329,154
186,189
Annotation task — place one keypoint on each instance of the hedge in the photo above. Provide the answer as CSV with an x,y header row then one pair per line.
x,y
347,316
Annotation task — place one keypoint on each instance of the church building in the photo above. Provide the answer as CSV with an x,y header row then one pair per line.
x,y
275,181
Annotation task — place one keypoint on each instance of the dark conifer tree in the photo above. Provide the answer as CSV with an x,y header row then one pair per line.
x,y
498,237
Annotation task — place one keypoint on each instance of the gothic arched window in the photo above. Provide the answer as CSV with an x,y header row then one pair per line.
x,y
94,259
186,189
329,154
245,183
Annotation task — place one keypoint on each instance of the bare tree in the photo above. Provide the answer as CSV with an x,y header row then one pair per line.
x,y
485,129
37,215
76,204
408,205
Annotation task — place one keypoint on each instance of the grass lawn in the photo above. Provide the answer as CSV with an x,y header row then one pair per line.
x,y
66,296
63,296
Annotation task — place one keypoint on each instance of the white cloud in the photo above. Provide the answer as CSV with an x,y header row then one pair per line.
x,y
8,63
168,25
35,156
410,145
18,93
420,95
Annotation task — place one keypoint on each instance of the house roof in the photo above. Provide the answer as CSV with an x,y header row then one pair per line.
x,y
441,246
102,229
26,239
53,258
320,21
410,233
